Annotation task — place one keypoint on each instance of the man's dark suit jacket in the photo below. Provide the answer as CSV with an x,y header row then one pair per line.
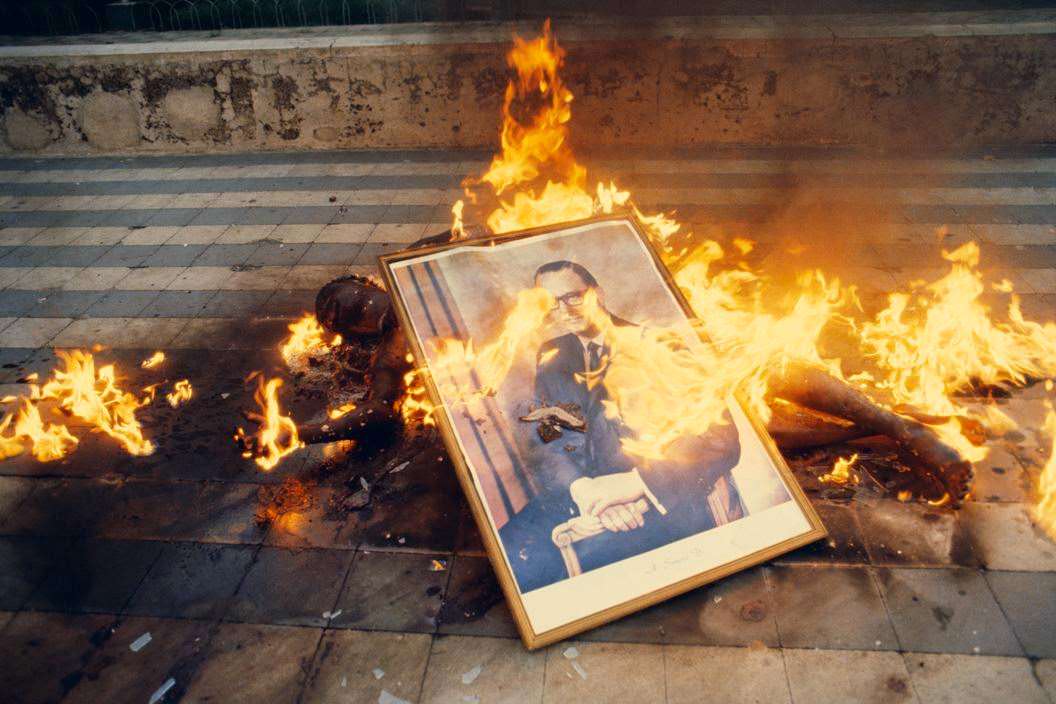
x,y
681,482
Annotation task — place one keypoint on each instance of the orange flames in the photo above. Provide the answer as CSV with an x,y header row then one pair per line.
x,y
415,405
77,389
306,340
182,391
927,345
1045,511
153,361
841,472
342,410
277,435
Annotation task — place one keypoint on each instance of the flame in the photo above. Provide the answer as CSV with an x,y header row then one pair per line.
x,y
277,435
154,360
82,390
46,442
342,410
181,393
931,342
458,230
841,472
306,340
415,405
1045,511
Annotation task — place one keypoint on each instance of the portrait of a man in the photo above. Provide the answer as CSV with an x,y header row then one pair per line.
x,y
588,474
550,356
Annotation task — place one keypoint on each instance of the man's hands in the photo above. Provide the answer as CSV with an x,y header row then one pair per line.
x,y
611,499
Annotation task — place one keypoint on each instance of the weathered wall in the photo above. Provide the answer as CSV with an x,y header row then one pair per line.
x,y
444,90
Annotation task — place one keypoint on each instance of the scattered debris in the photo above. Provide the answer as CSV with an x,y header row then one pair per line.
x,y
292,496
140,643
332,614
344,681
571,652
471,676
471,699
161,691
378,673
579,669
386,698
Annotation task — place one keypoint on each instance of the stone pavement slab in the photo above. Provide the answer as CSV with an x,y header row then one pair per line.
x,y
705,675
899,533
596,672
946,611
1045,670
116,673
848,676
1005,538
967,679
45,655
1028,600
24,563
392,592
95,576
290,587
507,672
253,663
191,580
357,666
473,601
830,607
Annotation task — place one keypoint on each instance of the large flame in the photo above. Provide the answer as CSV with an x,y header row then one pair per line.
x,y
1045,511
277,435
80,389
928,345
307,339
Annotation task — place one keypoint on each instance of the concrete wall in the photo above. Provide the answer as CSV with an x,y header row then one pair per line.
x,y
888,82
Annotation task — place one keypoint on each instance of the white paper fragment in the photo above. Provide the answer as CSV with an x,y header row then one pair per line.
x,y
471,699
386,698
224,395
161,691
579,669
470,676
400,467
401,541
344,681
378,673
140,643
333,614
363,483
571,652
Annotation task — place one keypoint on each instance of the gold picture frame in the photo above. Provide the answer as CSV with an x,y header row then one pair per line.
x,y
533,634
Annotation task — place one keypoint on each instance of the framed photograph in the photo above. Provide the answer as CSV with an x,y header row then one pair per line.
x,y
529,339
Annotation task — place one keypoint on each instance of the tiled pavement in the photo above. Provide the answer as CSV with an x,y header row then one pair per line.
x,y
209,257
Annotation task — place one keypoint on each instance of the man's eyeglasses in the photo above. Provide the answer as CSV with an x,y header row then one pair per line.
x,y
572,299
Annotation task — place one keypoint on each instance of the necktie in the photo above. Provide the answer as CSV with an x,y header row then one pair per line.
x,y
594,355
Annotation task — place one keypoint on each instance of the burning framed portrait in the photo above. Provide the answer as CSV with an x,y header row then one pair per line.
x,y
571,388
